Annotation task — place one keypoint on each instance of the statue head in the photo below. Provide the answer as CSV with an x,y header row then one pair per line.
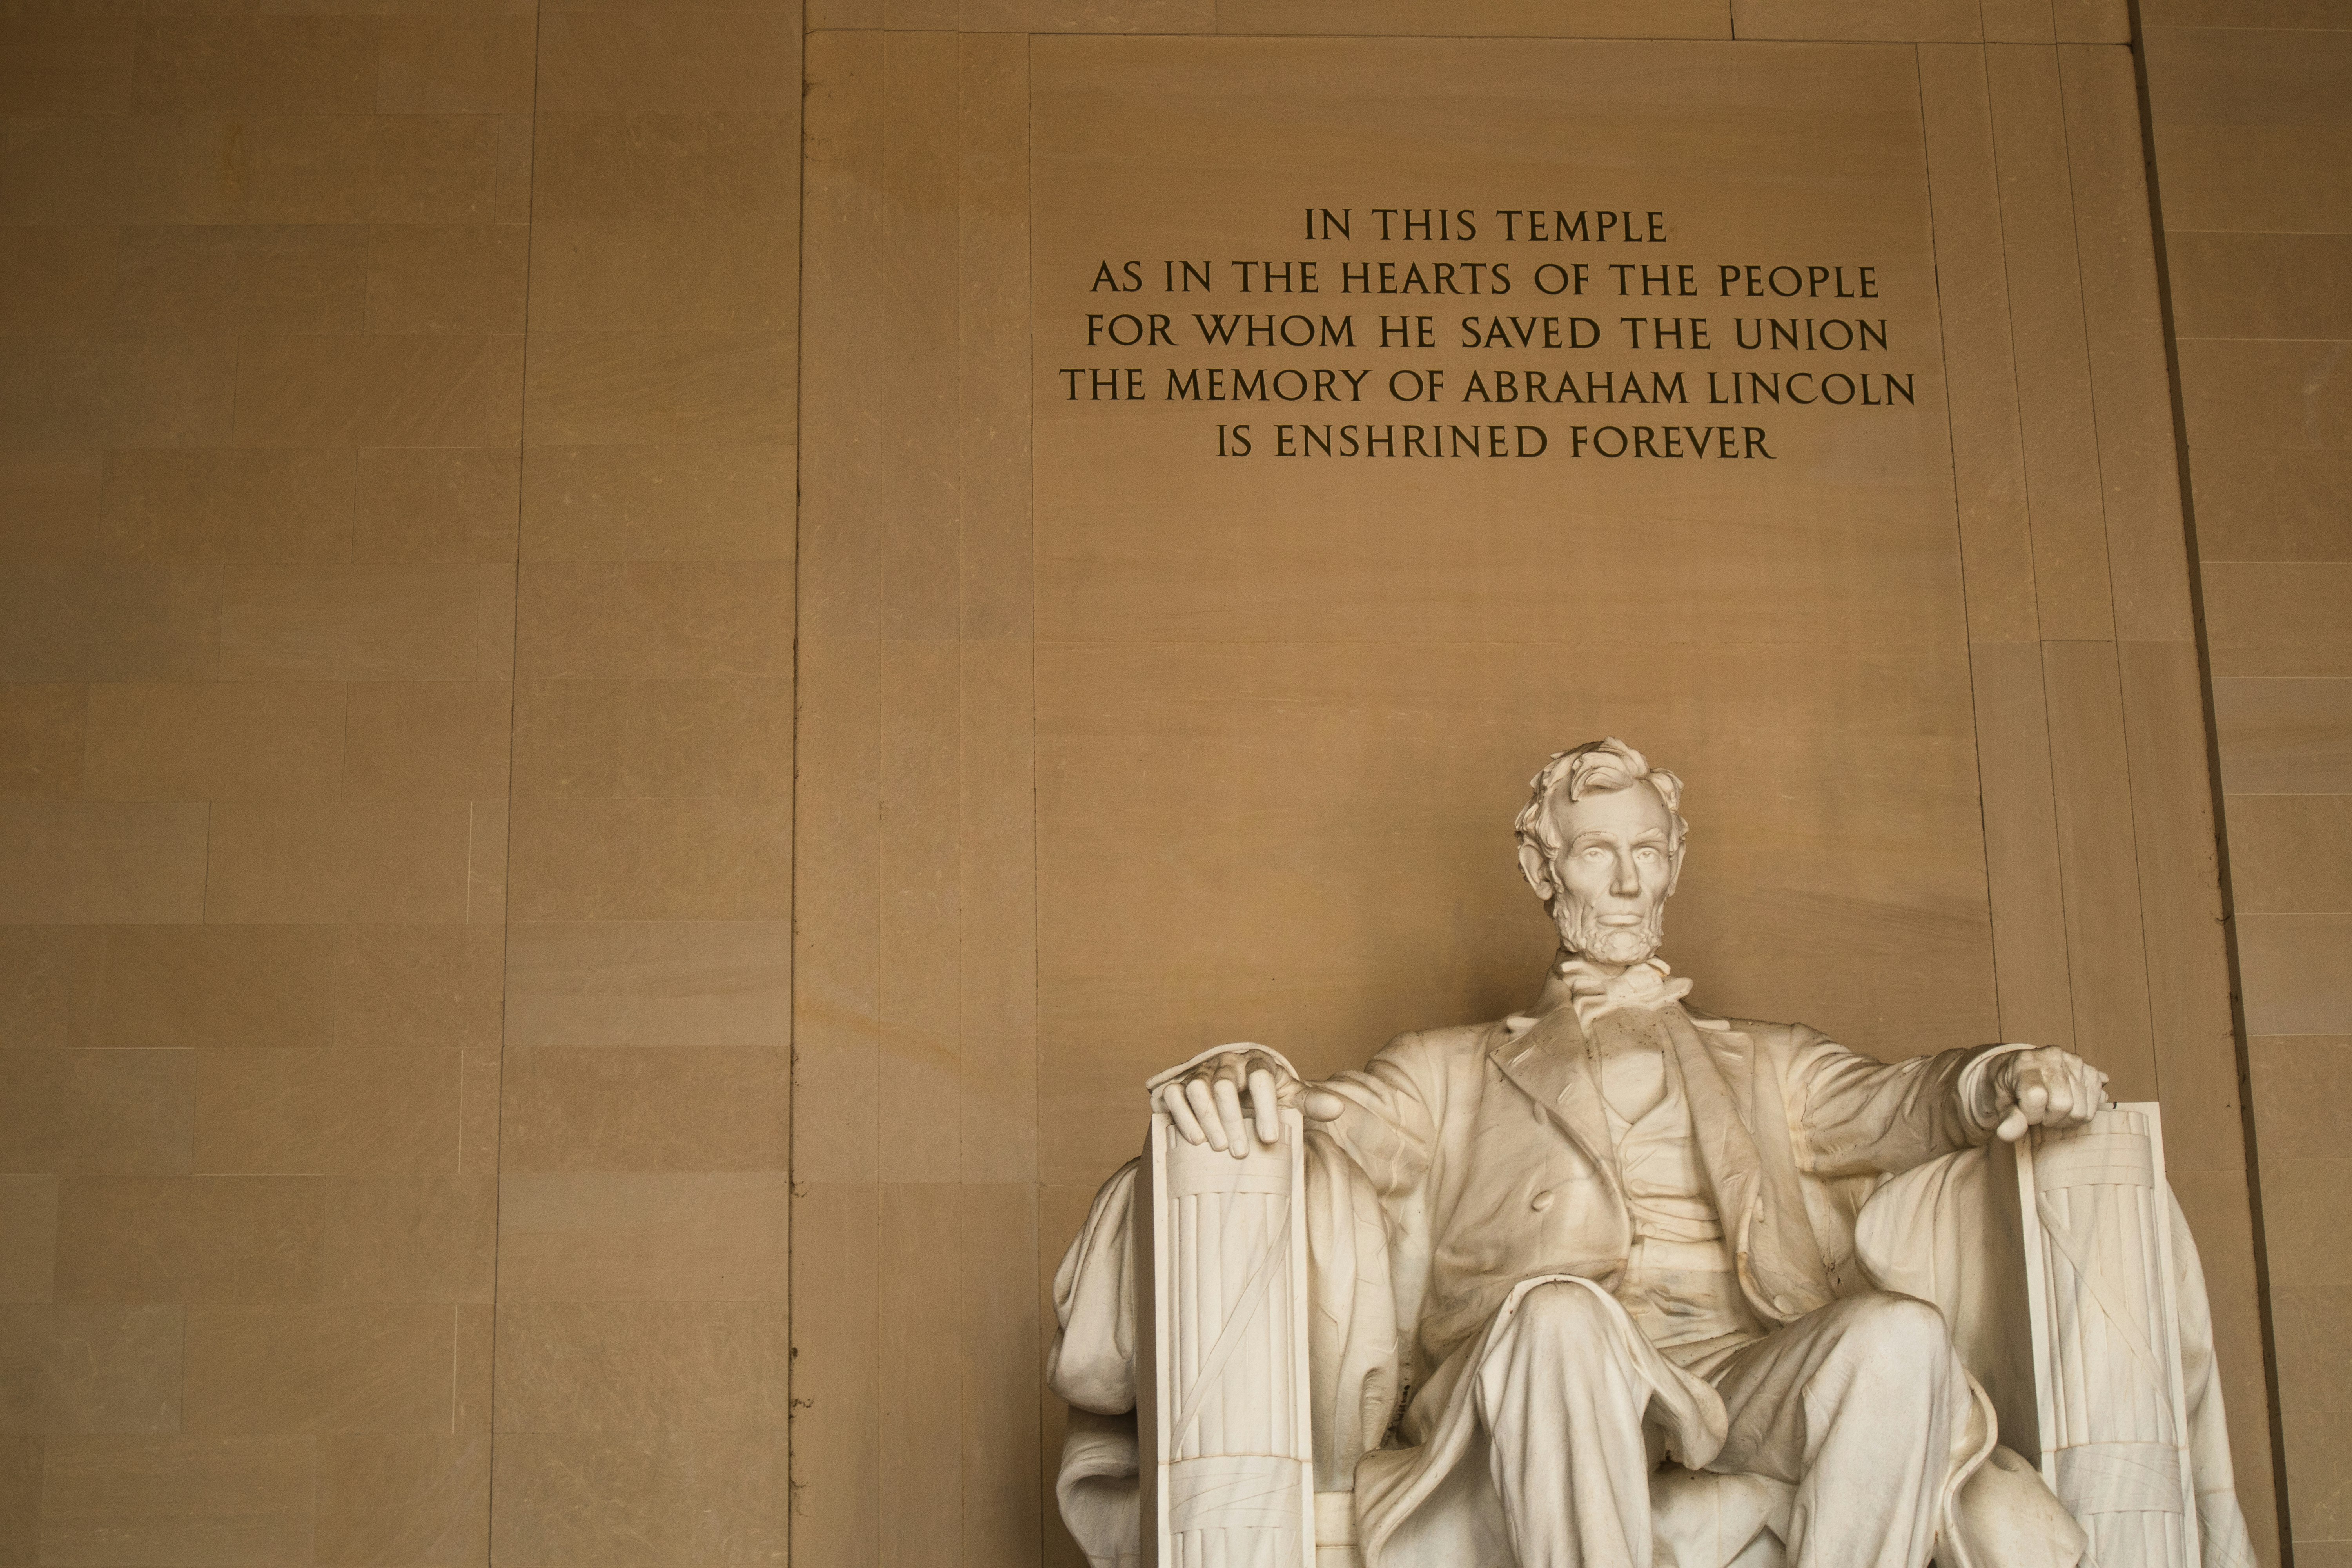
x,y
1601,844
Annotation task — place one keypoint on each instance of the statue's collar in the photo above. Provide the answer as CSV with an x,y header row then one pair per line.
x,y
1591,989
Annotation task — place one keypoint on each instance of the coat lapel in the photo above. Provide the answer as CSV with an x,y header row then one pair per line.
x,y
1715,1069
1756,1191
1549,1064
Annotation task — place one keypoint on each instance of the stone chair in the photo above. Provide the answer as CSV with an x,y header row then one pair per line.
x,y
2061,1264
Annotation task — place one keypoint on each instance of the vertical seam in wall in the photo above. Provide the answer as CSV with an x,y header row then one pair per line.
x,y
506,873
2009,292
793,827
2025,469
963,826
2089,362
2180,445
1048,1520
1960,540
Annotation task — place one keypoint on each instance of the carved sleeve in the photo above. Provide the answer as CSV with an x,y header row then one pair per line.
x,y
1853,1115
1393,1111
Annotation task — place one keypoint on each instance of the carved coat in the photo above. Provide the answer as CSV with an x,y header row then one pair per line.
x,y
1459,1131
1488,1149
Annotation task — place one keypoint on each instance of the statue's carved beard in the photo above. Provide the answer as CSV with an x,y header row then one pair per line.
x,y
1581,931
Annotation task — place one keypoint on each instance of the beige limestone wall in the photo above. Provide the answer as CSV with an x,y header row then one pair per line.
x,y
397,618
395,614
2252,108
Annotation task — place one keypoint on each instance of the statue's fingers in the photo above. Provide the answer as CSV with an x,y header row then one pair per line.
x,y
2012,1126
2058,1101
1204,1107
1229,1110
2091,1092
1180,1111
2033,1100
1265,1108
1321,1105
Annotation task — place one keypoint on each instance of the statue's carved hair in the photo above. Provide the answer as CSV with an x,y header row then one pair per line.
x,y
1594,765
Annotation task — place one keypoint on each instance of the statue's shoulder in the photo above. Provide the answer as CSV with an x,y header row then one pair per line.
x,y
1760,1033
1444,1045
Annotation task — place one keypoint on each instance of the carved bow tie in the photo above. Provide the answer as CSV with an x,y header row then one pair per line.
x,y
1594,990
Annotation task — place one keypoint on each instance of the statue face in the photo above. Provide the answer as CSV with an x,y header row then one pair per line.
x,y
1616,865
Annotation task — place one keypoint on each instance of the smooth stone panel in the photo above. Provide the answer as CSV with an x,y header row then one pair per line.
x,y
687,1495
64,63
658,503
255,65
662,277
109,623
119,392
2291,854
687,62
2249,75
2284,737
623,982
336,1112
654,619
651,860
42,969
403,1498
209,504
457,278
2260,285
1909,21
2264,504
20,1498
1502,18
2255,179
2264,393
214,740
434,505
641,1366
29,1237
50,505
371,861
2279,617
366,622
602,1236
2299,1080
448,389
321,1368
98,1368
181,1239
735,166
116,1112
419,986
2298,972
667,1108
727,738
44,731
246,278
428,1237
634,388
433,740
190,1501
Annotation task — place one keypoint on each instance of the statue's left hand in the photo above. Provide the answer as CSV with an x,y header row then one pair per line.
x,y
2045,1087
1207,1103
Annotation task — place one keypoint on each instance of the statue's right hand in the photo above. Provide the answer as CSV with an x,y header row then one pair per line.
x,y
1205,1104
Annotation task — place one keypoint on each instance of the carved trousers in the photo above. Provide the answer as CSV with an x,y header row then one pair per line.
x,y
1855,1406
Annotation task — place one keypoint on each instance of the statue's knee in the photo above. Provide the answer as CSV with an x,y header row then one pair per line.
x,y
1565,1311
1900,1330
